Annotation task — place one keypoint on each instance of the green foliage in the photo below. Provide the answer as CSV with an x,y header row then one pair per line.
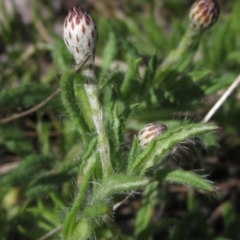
x,y
184,177
70,103
13,140
52,179
109,53
24,96
161,145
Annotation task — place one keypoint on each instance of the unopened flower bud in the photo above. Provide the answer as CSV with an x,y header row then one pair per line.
x,y
203,14
149,132
80,34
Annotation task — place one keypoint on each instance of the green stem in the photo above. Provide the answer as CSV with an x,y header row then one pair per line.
x,y
70,222
180,58
188,44
69,102
98,120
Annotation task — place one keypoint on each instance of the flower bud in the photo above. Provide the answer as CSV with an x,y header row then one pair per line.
x,y
80,34
203,14
149,132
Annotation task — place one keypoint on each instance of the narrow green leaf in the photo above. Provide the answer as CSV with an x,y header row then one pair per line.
x,y
69,102
88,152
144,217
119,184
60,53
144,222
130,76
134,151
109,53
82,99
185,178
149,74
115,124
114,78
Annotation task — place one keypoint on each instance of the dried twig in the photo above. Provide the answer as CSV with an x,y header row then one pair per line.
x,y
8,167
49,234
44,102
220,102
31,110
117,205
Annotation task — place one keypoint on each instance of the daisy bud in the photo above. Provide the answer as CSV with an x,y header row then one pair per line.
x,y
80,34
149,132
203,14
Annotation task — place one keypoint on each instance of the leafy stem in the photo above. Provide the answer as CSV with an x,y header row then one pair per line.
x,y
70,222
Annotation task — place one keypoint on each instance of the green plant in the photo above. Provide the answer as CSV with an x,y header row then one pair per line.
x,y
94,203
146,99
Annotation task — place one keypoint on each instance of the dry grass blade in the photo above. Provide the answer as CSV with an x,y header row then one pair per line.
x,y
220,102
49,234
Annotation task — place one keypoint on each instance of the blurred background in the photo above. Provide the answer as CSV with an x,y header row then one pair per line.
x,y
39,151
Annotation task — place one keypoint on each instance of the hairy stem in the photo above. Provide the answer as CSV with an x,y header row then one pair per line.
x,y
98,120
188,43
181,57
70,222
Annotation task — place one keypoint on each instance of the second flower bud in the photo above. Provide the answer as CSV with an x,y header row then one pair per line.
x,y
149,132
